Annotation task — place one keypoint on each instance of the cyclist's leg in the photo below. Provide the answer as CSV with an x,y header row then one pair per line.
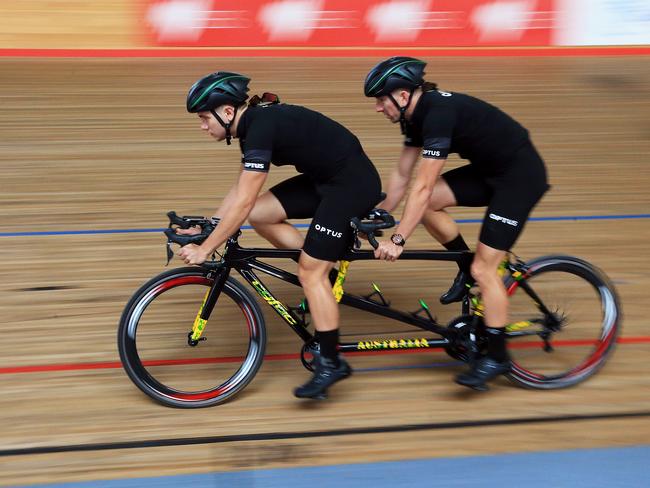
x,y
495,300
438,222
313,273
292,198
516,193
485,271
353,192
460,186
314,278
268,218
330,367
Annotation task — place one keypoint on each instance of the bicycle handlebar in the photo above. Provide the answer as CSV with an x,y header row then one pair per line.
x,y
371,225
376,220
185,222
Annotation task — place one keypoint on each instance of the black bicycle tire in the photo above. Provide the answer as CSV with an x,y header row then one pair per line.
x,y
127,333
611,322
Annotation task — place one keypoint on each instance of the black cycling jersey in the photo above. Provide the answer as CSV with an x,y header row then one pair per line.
x,y
292,135
338,181
449,122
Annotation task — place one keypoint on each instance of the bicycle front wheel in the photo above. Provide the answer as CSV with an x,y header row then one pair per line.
x,y
565,317
154,348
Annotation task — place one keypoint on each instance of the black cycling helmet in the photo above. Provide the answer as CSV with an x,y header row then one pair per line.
x,y
394,73
218,89
391,74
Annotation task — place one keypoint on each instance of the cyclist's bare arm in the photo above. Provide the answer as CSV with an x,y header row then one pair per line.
x,y
418,198
400,178
241,200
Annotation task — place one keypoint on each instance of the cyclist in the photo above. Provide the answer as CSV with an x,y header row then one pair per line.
x,y
505,173
331,162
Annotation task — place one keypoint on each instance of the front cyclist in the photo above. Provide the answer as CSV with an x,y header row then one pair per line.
x,y
331,162
505,173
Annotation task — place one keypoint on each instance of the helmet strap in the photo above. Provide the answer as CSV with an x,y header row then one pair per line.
x,y
402,110
225,125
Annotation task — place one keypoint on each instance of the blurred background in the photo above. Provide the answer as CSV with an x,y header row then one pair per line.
x,y
96,146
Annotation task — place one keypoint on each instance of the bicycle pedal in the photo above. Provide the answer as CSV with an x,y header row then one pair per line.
x,y
302,311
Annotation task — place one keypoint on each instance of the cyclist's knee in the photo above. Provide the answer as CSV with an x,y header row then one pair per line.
x,y
437,204
482,271
312,270
262,218
309,276
442,196
267,210
259,216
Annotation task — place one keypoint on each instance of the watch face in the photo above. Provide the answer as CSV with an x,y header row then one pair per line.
x,y
397,239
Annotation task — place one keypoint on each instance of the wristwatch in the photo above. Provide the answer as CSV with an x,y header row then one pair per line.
x,y
398,239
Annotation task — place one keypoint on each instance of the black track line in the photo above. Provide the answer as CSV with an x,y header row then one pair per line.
x,y
322,433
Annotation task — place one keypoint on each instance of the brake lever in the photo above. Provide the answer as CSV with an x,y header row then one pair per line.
x,y
170,252
186,221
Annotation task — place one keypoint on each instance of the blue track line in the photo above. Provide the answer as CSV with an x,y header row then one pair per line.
x,y
303,226
593,468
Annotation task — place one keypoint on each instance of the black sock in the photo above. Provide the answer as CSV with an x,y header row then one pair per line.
x,y
497,344
329,341
456,244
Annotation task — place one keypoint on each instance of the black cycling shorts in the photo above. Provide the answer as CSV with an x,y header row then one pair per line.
x,y
352,192
509,196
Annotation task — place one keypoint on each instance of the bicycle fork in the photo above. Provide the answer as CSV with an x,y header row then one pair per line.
x,y
209,301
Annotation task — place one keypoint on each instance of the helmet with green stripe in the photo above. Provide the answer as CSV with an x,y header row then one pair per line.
x,y
394,73
216,89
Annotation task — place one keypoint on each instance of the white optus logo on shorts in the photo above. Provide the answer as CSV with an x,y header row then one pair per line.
x,y
498,218
252,165
327,231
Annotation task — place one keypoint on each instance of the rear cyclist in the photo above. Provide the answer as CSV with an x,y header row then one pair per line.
x,y
505,173
331,162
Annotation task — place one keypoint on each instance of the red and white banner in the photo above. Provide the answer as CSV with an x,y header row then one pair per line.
x,y
602,22
345,23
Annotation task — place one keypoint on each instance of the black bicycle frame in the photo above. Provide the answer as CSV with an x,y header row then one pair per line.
x,y
245,261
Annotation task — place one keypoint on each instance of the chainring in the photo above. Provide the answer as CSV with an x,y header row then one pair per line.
x,y
312,348
465,343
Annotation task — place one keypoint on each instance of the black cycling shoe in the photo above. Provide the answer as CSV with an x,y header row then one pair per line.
x,y
458,288
325,376
483,370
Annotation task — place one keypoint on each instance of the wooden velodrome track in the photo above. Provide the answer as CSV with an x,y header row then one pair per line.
x,y
105,144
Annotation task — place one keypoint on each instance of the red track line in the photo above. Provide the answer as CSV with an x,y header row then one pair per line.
x,y
270,357
315,51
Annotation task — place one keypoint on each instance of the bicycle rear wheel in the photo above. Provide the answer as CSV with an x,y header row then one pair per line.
x,y
565,318
153,340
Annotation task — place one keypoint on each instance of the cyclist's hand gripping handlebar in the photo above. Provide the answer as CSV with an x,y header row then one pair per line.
x,y
376,220
185,222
